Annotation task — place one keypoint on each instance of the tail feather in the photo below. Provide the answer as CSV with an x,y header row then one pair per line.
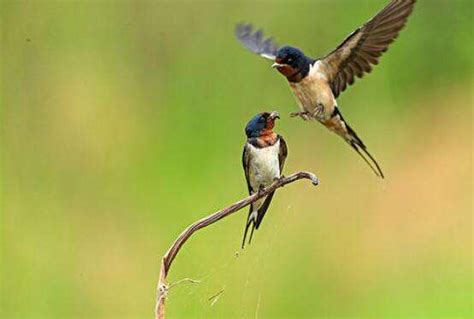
x,y
359,146
256,216
377,170
350,136
251,233
251,221
263,209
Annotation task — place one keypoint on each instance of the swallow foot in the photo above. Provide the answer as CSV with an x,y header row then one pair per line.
x,y
261,189
319,112
304,115
279,179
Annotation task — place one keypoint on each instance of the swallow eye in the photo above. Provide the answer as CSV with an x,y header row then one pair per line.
x,y
261,120
290,60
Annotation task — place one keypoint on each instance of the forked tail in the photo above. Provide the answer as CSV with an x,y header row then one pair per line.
x,y
256,216
348,134
357,144
251,221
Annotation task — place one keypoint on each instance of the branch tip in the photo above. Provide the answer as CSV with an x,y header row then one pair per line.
x,y
314,179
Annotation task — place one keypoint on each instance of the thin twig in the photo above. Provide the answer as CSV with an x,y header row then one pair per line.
x,y
216,296
190,280
258,304
170,255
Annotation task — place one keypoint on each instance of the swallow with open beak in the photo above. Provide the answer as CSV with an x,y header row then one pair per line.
x,y
317,83
263,159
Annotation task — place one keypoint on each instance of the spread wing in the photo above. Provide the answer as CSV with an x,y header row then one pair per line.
x,y
255,41
246,165
363,48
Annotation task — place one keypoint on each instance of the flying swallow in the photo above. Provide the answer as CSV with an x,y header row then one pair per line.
x,y
263,159
316,83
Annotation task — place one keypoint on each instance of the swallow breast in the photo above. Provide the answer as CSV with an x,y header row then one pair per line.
x,y
314,90
264,166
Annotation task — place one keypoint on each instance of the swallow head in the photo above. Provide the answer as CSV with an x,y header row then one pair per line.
x,y
261,124
292,63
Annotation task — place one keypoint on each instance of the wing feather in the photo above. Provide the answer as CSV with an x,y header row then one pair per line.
x,y
364,47
282,153
255,41
246,166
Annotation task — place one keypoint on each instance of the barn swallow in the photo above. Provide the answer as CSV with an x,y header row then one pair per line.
x,y
263,159
316,83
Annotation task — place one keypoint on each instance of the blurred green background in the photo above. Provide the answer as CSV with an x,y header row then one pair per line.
x,y
122,123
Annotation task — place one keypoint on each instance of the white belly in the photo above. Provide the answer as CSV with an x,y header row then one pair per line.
x,y
314,90
264,166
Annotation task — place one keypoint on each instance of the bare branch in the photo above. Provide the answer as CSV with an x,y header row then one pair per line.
x,y
170,255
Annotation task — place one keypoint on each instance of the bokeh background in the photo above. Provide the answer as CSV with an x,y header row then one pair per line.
x,y
122,123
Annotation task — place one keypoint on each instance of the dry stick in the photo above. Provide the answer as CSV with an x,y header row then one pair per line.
x,y
168,258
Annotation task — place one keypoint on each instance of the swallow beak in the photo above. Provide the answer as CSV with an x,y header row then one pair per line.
x,y
274,115
277,65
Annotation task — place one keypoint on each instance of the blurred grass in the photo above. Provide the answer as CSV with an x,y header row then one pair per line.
x,y
123,122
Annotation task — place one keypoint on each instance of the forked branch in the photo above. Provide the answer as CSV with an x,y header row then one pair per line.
x,y
170,255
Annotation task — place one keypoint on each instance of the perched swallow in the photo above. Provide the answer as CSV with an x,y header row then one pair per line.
x,y
317,83
263,159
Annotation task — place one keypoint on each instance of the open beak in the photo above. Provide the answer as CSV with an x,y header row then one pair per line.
x,y
274,115
277,65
